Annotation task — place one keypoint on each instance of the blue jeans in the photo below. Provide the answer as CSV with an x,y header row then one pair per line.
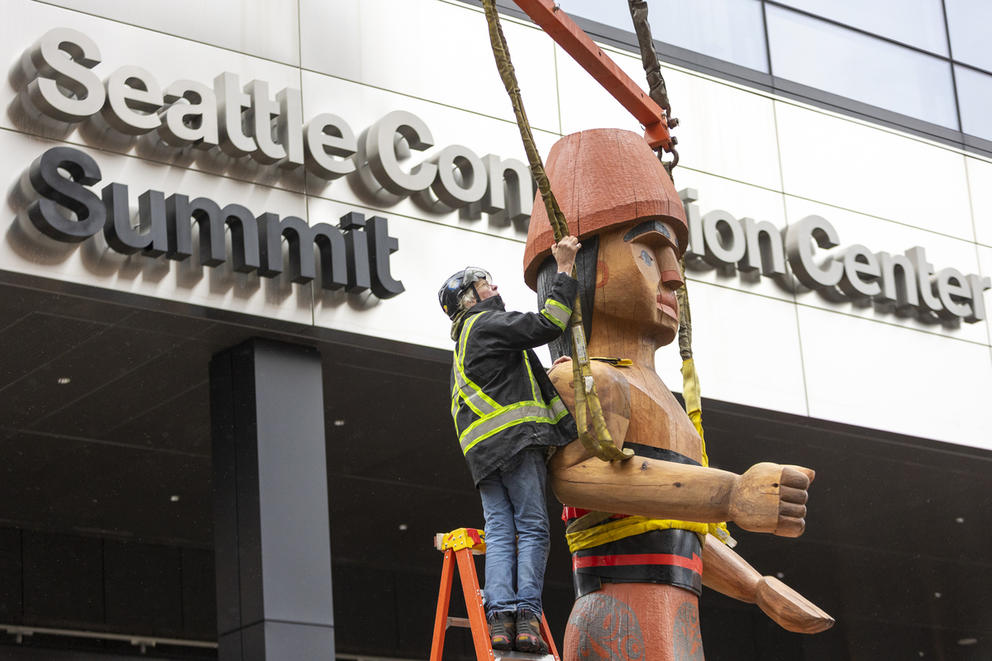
x,y
517,533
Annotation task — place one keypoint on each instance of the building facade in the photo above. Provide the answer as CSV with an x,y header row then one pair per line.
x,y
281,186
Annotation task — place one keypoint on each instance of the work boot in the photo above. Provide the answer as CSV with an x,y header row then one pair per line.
x,y
529,634
501,630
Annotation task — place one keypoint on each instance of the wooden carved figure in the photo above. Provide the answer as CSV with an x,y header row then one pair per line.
x,y
639,529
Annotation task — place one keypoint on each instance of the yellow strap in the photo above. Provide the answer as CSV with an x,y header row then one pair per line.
x,y
616,362
693,403
617,529
693,407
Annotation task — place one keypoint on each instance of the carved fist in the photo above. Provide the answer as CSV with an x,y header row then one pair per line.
x,y
771,498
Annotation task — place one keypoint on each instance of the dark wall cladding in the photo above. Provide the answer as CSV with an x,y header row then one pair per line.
x,y
87,583
143,586
11,604
63,579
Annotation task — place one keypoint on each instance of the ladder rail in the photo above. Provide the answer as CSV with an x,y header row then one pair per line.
x,y
443,602
458,547
473,602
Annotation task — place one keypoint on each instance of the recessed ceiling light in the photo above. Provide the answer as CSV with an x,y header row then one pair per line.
x,y
339,423
937,595
779,575
960,519
174,498
403,526
968,641
63,380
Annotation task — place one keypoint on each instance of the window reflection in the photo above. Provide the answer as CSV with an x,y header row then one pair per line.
x,y
841,61
730,30
614,14
919,23
968,22
975,99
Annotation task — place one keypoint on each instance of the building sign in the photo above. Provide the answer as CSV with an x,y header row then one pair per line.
x,y
60,86
907,283
353,256
248,121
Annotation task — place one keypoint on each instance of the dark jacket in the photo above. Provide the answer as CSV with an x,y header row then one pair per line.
x,y
502,401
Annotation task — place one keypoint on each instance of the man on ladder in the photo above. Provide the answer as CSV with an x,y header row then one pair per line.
x,y
508,418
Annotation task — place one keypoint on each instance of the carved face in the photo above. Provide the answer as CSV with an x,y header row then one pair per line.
x,y
636,278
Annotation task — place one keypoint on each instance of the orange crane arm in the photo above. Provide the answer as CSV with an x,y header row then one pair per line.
x,y
591,57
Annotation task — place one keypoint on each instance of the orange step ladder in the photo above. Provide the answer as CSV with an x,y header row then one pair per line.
x,y
458,547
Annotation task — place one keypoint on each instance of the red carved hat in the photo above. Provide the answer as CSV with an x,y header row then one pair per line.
x,y
602,179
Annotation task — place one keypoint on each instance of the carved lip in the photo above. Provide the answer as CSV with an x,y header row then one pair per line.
x,y
668,304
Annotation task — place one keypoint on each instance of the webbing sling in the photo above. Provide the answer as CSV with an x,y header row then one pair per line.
x,y
588,408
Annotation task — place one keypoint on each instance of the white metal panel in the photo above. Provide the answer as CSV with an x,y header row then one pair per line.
x,y
266,28
875,375
873,171
985,266
746,350
585,104
167,58
24,250
893,238
429,49
980,185
427,255
361,105
711,114
723,129
740,201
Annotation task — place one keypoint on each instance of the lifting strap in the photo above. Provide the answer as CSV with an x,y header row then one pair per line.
x,y
587,405
658,92
458,547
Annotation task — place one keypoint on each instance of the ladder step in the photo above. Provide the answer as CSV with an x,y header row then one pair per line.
x,y
460,560
521,656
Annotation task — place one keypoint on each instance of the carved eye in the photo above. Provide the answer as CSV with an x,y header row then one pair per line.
x,y
646,256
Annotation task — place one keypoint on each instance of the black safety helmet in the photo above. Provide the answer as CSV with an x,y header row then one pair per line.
x,y
450,294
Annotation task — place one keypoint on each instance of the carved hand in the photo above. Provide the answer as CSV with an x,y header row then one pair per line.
x,y
728,573
771,498
789,609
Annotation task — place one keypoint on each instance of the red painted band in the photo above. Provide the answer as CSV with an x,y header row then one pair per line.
x,y
695,563
568,512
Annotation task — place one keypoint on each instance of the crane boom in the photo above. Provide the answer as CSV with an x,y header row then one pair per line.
x,y
602,68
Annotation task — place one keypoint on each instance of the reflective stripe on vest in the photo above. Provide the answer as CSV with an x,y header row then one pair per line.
x,y
508,416
494,418
557,313
478,401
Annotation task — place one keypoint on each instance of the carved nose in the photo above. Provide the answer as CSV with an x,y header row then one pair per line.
x,y
671,279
